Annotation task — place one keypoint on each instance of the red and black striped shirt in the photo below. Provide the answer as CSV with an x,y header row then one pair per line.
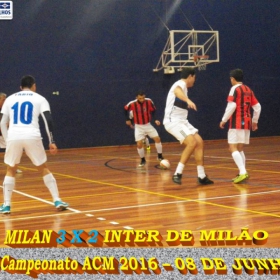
x,y
244,98
141,111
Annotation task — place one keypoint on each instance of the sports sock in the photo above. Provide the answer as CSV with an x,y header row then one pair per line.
x,y
200,171
50,183
8,187
141,152
180,168
147,142
243,157
239,162
159,148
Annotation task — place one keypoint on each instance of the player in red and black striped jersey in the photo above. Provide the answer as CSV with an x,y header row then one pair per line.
x,y
240,101
142,109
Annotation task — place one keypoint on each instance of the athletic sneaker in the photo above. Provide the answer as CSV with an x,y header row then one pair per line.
x,y
177,178
143,162
240,178
148,148
205,181
60,205
5,209
160,157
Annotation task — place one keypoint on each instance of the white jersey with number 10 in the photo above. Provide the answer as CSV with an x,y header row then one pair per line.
x,y
24,109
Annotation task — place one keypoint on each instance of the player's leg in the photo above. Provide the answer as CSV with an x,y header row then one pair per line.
x,y
236,138
241,151
152,133
199,158
8,187
158,147
239,163
12,157
34,149
147,143
139,137
190,144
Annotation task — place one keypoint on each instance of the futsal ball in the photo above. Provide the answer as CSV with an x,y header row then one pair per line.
x,y
165,164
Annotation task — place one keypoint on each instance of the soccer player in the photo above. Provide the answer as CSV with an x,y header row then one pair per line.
x,y
240,101
176,123
20,128
142,109
146,141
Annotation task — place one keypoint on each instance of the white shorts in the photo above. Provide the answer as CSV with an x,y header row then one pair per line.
x,y
141,130
236,136
33,148
180,129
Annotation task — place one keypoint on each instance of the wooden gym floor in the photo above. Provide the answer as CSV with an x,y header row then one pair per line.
x,y
107,190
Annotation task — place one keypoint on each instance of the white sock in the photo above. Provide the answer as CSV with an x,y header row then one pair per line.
x,y
147,142
159,148
243,157
239,162
200,171
50,183
141,152
180,168
8,187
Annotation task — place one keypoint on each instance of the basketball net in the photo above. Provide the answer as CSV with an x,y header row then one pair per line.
x,y
198,61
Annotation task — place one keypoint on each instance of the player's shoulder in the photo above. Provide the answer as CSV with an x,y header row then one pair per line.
x,y
233,89
39,95
10,97
131,102
180,83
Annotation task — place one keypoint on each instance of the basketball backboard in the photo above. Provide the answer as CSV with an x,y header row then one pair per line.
x,y
184,47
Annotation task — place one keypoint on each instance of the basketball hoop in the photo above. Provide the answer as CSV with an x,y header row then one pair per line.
x,y
199,63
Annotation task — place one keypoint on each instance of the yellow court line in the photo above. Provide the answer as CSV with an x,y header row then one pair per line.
x,y
169,196
164,195
192,164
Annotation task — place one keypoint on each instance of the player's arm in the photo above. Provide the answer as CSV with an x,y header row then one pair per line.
x,y
4,125
181,95
257,111
153,113
231,106
127,116
47,117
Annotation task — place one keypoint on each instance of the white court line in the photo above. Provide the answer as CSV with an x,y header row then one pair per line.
x,y
143,205
230,158
42,200
127,227
253,159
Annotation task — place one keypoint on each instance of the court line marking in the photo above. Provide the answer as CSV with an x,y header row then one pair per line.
x,y
252,159
149,192
170,196
171,154
154,204
42,200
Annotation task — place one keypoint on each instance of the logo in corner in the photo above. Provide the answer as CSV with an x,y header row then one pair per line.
x,y
6,10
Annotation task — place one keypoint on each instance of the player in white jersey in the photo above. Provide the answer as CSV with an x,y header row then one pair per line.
x,y
20,128
176,123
